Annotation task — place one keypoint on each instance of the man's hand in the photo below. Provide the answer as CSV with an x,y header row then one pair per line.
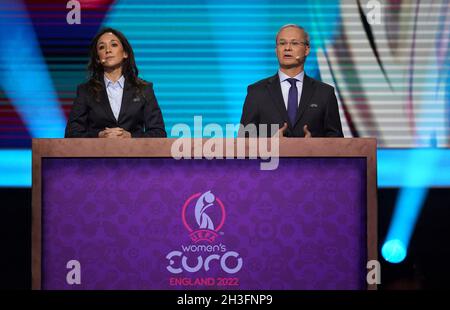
x,y
115,132
281,131
307,132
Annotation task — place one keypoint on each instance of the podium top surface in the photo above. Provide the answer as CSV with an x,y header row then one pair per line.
x,y
162,147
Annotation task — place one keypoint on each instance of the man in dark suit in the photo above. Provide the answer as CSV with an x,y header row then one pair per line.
x,y
298,104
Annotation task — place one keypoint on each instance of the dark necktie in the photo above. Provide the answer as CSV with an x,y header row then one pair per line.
x,y
292,100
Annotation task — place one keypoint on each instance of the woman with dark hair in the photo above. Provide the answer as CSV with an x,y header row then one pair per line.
x,y
115,102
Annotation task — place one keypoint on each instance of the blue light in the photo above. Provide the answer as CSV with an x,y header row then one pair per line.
x,y
391,168
407,210
15,168
24,75
394,251
429,168
419,169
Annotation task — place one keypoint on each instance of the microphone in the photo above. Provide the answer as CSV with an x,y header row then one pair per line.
x,y
300,60
103,61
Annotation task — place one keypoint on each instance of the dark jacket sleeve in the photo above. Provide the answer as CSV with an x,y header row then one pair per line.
x,y
153,119
77,124
333,127
249,113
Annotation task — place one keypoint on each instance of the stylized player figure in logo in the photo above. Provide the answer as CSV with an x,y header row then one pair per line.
x,y
204,202
206,230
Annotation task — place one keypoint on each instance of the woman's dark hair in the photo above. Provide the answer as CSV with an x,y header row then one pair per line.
x,y
96,71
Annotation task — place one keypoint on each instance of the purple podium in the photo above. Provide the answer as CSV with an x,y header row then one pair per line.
x,y
124,214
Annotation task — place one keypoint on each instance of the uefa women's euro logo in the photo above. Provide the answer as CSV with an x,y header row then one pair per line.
x,y
203,216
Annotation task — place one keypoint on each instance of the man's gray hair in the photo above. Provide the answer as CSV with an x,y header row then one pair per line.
x,y
294,26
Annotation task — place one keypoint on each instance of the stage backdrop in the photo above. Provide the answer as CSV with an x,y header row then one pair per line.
x,y
388,60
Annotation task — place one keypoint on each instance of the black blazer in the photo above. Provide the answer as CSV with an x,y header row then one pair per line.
x,y
318,108
139,113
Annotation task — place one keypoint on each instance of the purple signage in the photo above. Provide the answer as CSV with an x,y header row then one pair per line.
x,y
160,223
